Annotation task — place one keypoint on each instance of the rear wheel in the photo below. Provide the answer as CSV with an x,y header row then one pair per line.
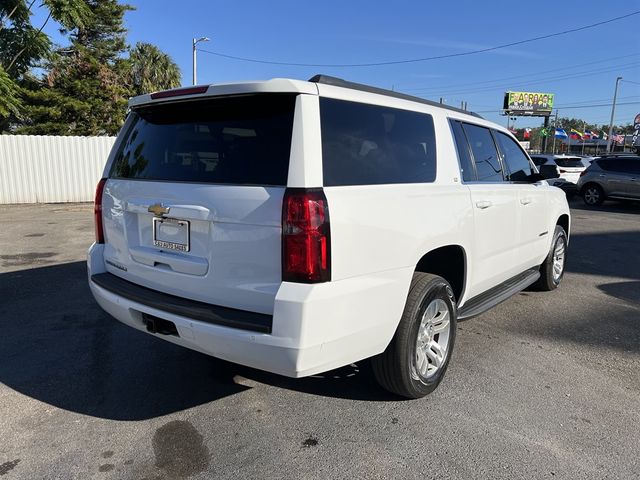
x,y
552,269
417,358
592,194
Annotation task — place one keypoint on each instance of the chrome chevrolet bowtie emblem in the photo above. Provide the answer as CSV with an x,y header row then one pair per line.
x,y
158,210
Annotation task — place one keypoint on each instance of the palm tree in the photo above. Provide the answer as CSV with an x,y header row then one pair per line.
x,y
151,69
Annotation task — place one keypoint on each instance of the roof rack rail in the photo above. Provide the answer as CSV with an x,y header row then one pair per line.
x,y
339,82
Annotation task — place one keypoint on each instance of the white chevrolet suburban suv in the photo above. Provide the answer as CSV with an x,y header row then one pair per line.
x,y
300,226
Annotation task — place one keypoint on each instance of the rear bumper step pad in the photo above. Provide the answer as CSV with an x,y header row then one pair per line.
x,y
203,312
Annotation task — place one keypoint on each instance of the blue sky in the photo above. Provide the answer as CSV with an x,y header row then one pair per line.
x,y
580,68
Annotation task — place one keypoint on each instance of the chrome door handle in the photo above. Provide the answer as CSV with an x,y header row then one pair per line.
x,y
525,201
483,204
602,175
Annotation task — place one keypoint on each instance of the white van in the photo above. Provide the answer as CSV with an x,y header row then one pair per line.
x,y
300,226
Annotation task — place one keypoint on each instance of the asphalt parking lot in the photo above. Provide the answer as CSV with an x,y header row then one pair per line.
x,y
546,385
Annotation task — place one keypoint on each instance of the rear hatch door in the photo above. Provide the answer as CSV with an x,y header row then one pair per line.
x,y
570,168
193,202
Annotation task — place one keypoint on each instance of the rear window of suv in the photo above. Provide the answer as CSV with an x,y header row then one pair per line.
x,y
569,162
243,140
371,145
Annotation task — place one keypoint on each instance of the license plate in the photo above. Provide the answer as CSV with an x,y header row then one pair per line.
x,y
171,233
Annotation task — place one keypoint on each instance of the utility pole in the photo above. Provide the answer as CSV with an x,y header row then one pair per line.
x,y
193,51
544,138
613,111
555,125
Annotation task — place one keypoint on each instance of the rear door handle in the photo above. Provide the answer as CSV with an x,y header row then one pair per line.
x,y
525,201
483,204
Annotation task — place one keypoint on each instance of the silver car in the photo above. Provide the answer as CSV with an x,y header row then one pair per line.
x,y
615,177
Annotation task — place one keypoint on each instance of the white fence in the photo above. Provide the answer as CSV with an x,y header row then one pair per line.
x,y
40,169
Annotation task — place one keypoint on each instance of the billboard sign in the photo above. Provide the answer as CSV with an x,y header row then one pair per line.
x,y
636,131
528,103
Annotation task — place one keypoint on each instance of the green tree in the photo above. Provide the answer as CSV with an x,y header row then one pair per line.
x,y
9,95
86,85
83,92
22,45
150,70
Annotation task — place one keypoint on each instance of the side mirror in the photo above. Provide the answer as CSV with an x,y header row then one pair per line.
x,y
535,177
548,171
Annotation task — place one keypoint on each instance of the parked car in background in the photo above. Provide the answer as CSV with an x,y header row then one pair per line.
x,y
587,159
300,226
614,176
569,167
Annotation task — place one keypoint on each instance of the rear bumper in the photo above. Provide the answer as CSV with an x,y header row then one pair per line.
x,y
314,328
203,312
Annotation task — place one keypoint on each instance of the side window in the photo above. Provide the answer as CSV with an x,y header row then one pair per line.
x,y
634,166
368,144
621,165
603,163
537,161
609,164
485,155
466,163
514,158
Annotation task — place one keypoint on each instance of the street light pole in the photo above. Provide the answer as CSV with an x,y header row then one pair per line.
x,y
613,111
193,51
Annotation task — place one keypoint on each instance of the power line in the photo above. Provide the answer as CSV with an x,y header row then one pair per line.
x,y
629,81
526,75
567,76
560,107
581,102
424,59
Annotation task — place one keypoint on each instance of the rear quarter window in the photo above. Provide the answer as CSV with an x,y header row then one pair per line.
x,y
368,144
232,140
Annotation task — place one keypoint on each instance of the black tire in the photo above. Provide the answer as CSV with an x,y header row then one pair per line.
x,y
548,280
592,194
395,369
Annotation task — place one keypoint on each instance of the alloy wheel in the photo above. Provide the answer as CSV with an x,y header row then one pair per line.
x,y
432,343
558,259
592,195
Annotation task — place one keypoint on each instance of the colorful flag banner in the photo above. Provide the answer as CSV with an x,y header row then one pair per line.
x,y
561,133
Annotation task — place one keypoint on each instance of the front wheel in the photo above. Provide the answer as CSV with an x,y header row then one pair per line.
x,y
416,360
552,269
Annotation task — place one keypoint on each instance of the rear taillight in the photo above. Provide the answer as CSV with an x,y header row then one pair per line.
x,y
563,171
583,173
306,238
97,211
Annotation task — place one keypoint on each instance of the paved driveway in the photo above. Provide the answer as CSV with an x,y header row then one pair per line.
x,y
546,385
